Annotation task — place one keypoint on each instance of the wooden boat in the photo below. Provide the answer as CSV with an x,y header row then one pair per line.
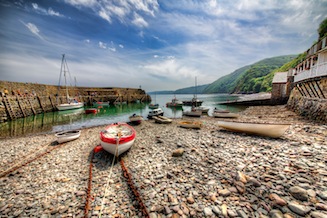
x,y
193,113
117,138
137,119
155,112
190,124
262,129
66,136
162,119
224,115
71,103
91,111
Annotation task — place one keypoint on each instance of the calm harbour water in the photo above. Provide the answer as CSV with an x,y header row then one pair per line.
x,y
74,119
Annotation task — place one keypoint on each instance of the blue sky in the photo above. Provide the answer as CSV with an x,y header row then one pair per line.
x,y
158,45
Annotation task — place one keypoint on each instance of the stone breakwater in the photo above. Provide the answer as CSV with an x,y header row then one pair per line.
x,y
179,172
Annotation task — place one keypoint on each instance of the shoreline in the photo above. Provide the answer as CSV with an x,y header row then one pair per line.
x,y
220,173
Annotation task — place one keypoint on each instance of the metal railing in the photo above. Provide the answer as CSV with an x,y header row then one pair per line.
x,y
316,71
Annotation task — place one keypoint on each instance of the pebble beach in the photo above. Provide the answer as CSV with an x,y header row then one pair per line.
x,y
209,172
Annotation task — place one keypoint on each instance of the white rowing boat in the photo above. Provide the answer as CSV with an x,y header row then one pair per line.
x,y
262,129
66,136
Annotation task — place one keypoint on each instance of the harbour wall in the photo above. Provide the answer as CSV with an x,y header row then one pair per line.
x,y
309,99
19,100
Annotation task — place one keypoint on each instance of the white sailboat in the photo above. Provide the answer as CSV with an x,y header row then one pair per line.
x,y
72,103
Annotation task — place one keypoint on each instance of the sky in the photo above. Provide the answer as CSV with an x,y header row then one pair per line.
x,y
153,44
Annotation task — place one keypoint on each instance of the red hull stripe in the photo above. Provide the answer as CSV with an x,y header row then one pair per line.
x,y
122,140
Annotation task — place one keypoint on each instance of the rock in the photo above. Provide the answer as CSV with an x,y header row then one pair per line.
x,y
254,182
190,200
322,195
207,211
224,192
299,193
277,200
298,208
275,214
318,214
178,152
241,177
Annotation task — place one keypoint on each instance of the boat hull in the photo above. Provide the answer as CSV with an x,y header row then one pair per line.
x,y
91,111
225,115
67,136
190,124
162,119
262,129
136,119
120,135
63,107
192,113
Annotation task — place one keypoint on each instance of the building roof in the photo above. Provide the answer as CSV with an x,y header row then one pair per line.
x,y
280,77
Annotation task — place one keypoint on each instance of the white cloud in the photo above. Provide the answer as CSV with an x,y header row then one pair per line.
x,y
127,12
139,21
102,45
33,29
49,12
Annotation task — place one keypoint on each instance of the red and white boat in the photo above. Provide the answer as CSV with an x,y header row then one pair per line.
x,y
117,138
91,111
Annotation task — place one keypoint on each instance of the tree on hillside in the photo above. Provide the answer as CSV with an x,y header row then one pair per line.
x,y
322,30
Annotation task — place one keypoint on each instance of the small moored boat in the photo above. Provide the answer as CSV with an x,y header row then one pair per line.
x,y
66,136
174,103
262,129
136,119
155,112
162,119
193,113
153,106
91,111
190,124
117,138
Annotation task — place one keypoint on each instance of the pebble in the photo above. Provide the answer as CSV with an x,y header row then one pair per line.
x,y
178,172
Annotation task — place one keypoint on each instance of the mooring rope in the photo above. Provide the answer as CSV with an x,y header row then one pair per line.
x,y
110,172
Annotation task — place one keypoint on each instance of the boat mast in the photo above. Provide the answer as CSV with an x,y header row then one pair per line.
x,y
65,66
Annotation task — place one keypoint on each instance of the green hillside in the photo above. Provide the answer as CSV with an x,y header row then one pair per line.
x,y
250,78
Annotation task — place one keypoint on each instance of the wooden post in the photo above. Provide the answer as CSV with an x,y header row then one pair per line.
x,y
29,100
38,98
53,106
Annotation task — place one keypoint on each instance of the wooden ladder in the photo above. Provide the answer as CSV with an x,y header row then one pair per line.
x,y
29,100
9,108
20,104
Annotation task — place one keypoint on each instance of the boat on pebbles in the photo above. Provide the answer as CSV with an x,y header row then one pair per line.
x,y
162,119
136,119
66,136
117,138
189,124
261,129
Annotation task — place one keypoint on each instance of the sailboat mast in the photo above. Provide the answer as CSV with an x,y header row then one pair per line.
x,y
65,66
